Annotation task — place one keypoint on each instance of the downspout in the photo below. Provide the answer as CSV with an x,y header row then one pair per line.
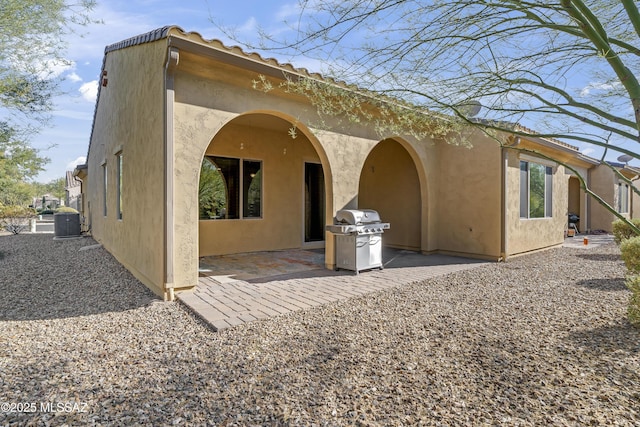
x,y
587,224
173,57
503,201
587,207
81,207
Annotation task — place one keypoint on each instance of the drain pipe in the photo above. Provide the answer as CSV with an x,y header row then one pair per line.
x,y
173,57
503,201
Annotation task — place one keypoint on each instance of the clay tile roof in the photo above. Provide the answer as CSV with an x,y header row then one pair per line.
x,y
70,181
532,132
167,31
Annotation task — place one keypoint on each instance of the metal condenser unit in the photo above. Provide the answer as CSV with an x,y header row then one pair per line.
x,y
358,239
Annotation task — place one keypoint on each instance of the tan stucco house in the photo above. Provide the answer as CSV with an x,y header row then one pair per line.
x,y
615,191
72,190
174,109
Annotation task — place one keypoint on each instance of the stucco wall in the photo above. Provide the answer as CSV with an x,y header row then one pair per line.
x,y
203,109
635,201
603,183
574,196
528,234
437,197
389,183
281,225
578,201
469,198
130,119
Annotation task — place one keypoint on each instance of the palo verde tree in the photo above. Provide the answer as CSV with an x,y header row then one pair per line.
x,y
563,67
31,52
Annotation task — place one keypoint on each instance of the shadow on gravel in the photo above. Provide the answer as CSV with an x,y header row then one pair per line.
x,y
608,339
45,279
603,284
600,257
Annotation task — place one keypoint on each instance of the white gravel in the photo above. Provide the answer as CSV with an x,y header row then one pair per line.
x,y
539,340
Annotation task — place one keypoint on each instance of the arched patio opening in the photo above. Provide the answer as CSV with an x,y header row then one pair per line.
x,y
262,187
389,184
575,202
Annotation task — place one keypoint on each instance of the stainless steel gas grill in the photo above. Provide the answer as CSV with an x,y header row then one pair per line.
x,y
358,239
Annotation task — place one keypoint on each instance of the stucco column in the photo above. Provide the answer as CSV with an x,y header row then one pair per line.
x,y
346,156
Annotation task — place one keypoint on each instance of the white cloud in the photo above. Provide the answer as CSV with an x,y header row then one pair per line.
x,y
588,151
74,77
55,68
89,90
598,86
287,11
78,161
249,26
42,65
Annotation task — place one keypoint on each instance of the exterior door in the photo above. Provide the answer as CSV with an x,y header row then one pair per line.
x,y
314,203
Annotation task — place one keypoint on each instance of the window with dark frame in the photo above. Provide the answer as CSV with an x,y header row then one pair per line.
x,y
119,185
230,188
104,189
536,190
623,198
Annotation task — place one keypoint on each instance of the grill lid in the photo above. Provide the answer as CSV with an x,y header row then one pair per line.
x,y
357,216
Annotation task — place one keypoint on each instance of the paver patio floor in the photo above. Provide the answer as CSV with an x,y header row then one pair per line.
x,y
241,288
234,289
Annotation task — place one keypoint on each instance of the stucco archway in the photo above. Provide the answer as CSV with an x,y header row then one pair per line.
x,y
280,151
575,201
390,184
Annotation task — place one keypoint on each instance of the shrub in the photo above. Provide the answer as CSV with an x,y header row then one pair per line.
x,y
15,218
65,209
630,251
633,310
622,231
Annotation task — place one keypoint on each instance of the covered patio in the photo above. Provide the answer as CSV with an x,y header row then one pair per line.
x,y
240,288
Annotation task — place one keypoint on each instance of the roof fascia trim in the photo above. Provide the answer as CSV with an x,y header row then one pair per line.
x,y
229,58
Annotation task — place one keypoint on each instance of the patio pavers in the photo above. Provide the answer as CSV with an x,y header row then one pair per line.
x,y
246,293
241,288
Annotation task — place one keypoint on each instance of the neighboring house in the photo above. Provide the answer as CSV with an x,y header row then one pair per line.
x,y
45,202
187,159
72,188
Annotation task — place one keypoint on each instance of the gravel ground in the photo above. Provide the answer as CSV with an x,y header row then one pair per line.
x,y
539,340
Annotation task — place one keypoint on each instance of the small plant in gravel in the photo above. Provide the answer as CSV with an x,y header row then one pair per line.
x,y
630,251
633,310
15,219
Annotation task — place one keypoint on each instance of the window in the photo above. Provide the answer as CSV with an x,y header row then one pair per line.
x,y
230,188
104,189
119,184
623,198
536,187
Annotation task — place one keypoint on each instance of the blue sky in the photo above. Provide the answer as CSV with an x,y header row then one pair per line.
x,y
70,127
